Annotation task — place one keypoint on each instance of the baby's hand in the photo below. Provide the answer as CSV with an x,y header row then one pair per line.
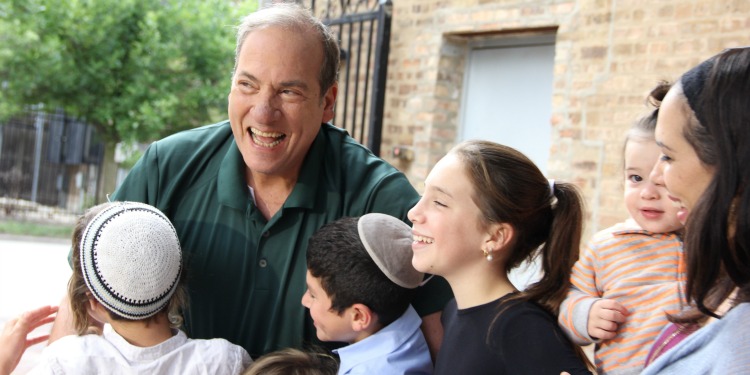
x,y
605,318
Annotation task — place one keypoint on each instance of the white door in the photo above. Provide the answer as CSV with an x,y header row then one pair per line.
x,y
508,99
508,95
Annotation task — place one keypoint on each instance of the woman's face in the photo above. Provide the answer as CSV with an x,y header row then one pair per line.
x,y
679,169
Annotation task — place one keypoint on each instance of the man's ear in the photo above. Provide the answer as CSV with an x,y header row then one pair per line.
x,y
362,318
329,101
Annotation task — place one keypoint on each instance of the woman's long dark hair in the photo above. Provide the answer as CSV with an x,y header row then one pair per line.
x,y
717,239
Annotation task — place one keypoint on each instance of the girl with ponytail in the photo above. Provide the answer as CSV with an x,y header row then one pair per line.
x,y
486,209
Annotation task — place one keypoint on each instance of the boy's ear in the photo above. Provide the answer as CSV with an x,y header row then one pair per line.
x,y
97,310
362,318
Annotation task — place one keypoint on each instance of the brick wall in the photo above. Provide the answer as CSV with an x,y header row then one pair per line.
x,y
608,55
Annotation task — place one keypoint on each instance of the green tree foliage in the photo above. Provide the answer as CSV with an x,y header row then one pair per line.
x,y
136,69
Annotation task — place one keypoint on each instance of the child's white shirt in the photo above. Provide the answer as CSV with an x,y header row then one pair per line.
x,y
110,353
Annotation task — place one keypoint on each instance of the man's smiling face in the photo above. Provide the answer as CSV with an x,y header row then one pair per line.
x,y
275,104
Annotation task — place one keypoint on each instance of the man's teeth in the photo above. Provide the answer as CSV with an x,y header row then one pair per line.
x,y
677,204
257,133
426,240
266,134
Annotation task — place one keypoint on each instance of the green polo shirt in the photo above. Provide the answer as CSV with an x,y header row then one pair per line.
x,y
246,275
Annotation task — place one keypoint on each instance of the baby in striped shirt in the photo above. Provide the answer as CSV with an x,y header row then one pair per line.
x,y
629,276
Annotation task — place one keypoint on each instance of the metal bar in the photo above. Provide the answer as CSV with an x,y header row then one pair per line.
x,y
39,126
366,92
361,127
346,86
352,18
345,61
380,75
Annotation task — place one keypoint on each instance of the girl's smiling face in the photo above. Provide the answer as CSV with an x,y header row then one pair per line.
x,y
679,169
448,231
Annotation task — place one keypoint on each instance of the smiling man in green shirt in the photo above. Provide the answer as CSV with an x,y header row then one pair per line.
x,y
246,194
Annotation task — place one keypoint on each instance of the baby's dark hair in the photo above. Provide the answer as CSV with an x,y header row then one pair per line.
x,y
347,273
643,128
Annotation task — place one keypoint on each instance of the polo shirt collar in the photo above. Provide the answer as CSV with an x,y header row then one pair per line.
x,y
233,191
231,184
308,182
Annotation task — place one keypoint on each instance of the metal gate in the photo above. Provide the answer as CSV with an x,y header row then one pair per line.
x,y
364,31
47,159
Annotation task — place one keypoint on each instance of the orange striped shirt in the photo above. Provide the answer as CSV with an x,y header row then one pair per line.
x,y
643,271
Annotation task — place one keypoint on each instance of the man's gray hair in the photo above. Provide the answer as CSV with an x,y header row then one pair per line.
x,y
294,17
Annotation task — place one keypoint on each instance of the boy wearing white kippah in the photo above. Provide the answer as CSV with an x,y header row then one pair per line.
x,y
360,283
127,275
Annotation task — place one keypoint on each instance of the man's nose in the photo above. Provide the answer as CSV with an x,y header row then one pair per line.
x,y
265,109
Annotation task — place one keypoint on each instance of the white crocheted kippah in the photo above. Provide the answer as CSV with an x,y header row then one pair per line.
x,y
388,241
131,259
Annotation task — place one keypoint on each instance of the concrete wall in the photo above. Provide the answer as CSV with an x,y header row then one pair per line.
x,y
608,56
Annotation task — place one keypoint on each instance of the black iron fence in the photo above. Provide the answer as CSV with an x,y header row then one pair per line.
x,y
49,165
364,29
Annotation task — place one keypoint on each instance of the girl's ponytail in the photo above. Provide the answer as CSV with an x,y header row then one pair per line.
x,y
560,252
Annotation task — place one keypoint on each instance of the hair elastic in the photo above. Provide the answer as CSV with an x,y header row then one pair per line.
x,y
553,202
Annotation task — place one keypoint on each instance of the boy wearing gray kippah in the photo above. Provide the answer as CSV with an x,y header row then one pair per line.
x,y
128,277
360,283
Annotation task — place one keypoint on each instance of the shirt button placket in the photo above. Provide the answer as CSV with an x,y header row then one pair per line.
x,y
263,263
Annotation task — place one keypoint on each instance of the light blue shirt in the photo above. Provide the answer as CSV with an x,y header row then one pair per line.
x,y
722,347
399,348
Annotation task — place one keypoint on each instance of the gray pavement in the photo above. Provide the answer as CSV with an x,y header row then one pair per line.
x,y
33,272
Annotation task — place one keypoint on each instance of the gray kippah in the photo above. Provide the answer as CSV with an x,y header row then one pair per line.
x,y
131,259
388,241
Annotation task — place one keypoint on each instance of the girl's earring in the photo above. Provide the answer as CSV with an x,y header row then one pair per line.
x,y
487,254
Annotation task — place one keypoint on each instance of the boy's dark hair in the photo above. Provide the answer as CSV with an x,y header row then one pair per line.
x,y
347,273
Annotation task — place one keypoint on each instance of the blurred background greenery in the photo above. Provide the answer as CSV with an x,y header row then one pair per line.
x,y
135,70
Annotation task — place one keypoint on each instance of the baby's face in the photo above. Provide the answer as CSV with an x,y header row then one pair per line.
x,y
329,325
648,204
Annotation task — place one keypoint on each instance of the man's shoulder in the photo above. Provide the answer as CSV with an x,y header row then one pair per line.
x,y
341,144
353,158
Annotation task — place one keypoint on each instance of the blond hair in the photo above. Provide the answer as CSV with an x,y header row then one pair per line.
x,y
292,361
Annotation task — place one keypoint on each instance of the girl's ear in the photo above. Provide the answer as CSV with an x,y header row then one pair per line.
x,y
362,318
500,235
